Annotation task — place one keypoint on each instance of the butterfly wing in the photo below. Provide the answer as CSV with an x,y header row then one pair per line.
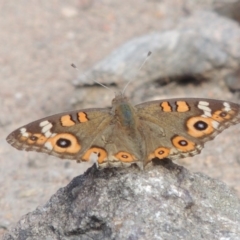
x,y
85,135
172,128
66,135
180,127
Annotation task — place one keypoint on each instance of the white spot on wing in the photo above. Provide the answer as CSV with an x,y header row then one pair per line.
x,y
204,106
227,106
47,127
48,145
23,130
203,103
42,124
48,134
215,124
25,134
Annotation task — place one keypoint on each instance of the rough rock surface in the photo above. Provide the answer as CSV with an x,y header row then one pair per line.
x,y
163,202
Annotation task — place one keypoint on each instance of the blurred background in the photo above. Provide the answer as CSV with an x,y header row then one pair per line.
x,y
38,42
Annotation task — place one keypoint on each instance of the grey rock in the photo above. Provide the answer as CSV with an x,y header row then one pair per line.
x,y
228,8
233,80
163,202
204,44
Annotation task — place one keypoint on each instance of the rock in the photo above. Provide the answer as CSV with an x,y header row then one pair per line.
x,y
228,8
163,202
204,45
233,81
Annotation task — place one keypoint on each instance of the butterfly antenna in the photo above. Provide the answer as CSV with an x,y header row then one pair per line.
x,y
145,60
74,66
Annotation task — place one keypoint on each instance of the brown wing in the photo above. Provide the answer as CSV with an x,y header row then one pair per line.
x,y
85,135
180,127
65,135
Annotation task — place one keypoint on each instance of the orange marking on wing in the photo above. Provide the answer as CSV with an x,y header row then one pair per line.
x,y
66,121
37,139
161,153
102,154
23,138
221,116
193,129
166,107
82,117
65,143
125,157
183,144
182,106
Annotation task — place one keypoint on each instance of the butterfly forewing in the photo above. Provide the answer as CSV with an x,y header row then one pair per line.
x,y
64,135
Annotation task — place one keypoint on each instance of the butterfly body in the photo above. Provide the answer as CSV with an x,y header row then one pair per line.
x,y
125,134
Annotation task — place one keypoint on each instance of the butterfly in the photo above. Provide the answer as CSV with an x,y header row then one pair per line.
x,y
125,134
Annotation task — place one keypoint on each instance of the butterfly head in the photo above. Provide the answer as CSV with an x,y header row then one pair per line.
x,y
119,99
